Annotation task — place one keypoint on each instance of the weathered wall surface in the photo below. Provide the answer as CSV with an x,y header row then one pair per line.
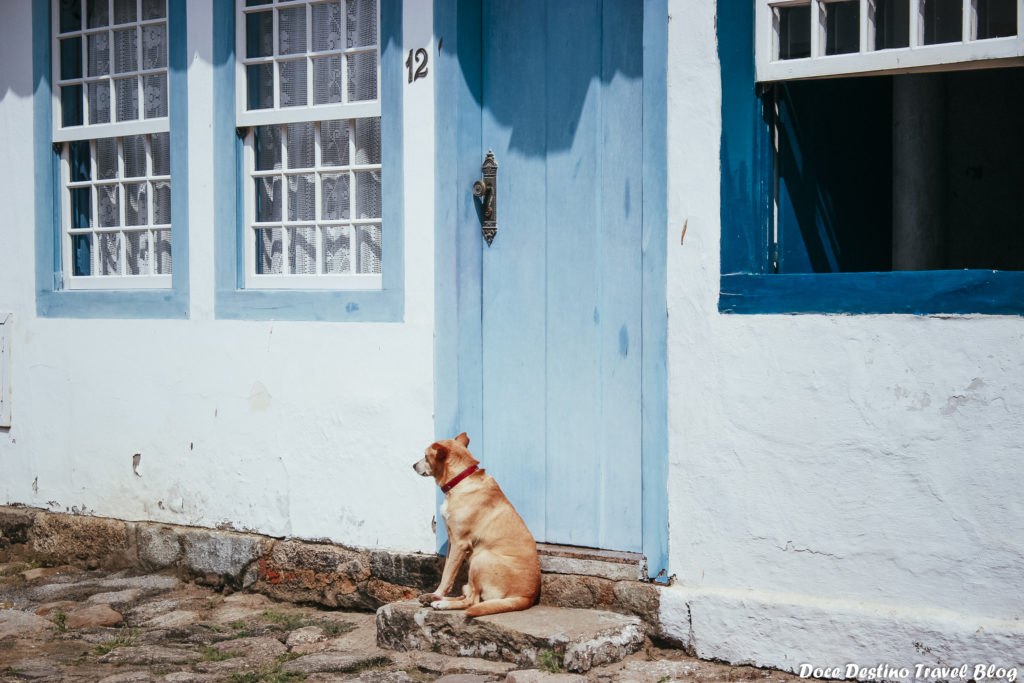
x,y
289,428
835,481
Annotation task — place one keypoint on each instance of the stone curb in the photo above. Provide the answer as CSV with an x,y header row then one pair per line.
x,y
285,569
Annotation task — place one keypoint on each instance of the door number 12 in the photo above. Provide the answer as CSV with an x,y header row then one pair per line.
x,y
420,64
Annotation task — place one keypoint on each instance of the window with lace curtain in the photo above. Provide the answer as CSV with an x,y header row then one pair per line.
x,y
111,129
309,112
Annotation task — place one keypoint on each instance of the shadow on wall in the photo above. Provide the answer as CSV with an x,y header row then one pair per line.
x,y
546,50
16,49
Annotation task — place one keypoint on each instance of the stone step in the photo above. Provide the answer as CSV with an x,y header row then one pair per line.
x,y
581,638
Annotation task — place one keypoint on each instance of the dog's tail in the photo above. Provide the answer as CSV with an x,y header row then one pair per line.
x,y
499,605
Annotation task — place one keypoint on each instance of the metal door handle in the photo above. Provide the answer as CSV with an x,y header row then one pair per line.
x,y
487,190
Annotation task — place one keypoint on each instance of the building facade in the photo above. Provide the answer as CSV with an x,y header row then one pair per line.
x,y
731,314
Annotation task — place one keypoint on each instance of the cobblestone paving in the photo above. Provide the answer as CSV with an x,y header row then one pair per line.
x,y
66,624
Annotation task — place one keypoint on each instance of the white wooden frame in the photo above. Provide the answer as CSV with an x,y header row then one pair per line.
x,y
114,129
149,280
968,53
139,126
317,113
309,112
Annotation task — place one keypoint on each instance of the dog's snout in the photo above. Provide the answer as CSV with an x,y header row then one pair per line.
x,y
422,468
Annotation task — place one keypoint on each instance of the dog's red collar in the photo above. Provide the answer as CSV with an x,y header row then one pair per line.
x,y
458,477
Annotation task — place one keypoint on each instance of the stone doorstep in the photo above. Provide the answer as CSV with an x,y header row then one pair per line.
x,y
605,564
584,638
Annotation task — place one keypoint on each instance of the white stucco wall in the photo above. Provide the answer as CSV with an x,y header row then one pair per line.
x,y
840,486
287,428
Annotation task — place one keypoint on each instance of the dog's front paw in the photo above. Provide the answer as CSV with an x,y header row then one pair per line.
x,y
428,598
439,604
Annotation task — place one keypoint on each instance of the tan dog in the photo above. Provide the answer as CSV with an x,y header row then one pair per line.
x,y
504,570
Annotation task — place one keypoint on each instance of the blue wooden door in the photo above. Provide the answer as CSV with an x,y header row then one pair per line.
x,y
561,284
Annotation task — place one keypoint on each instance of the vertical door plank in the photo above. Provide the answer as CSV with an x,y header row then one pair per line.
x,y
514,360
620,267
573,315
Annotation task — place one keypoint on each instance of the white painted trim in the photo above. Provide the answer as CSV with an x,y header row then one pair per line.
x,y
350,282
118,281
969,53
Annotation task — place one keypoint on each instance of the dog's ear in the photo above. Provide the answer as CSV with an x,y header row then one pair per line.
x,y
440,450
463,439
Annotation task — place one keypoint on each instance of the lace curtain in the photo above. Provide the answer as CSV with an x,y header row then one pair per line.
x,y
342,194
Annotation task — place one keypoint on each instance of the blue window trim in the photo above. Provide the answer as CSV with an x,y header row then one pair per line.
x,y
457,346
746,196
235,302
51,299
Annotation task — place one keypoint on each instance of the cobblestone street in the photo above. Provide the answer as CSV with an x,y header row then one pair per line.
x,y
68,624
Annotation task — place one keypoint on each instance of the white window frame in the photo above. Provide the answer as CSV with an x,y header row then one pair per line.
x,y
969,52
86,131
247,120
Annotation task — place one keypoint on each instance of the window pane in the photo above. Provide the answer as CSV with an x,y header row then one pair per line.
x,y
127,91
337,256
81,254
327,26
134,147
99,102
334,143
110,253
154,88
362,76
302,197
136,208
334,205
293,83
154,9
70,15
106,158
99,54
291,31
794,32
842,27
327,79
96,11
267,141
71,105
109,206
260,82
71,57
162,247
81,208
943,20
268,199
161,203
997,18
368,141
160,145
368,246
154,46
138,252
269,248
125,51
124,11
367,194
362,23
259,34
79,158
892,24
302,251
301,143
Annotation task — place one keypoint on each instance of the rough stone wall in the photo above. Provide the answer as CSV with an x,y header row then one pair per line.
x,y
285,569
